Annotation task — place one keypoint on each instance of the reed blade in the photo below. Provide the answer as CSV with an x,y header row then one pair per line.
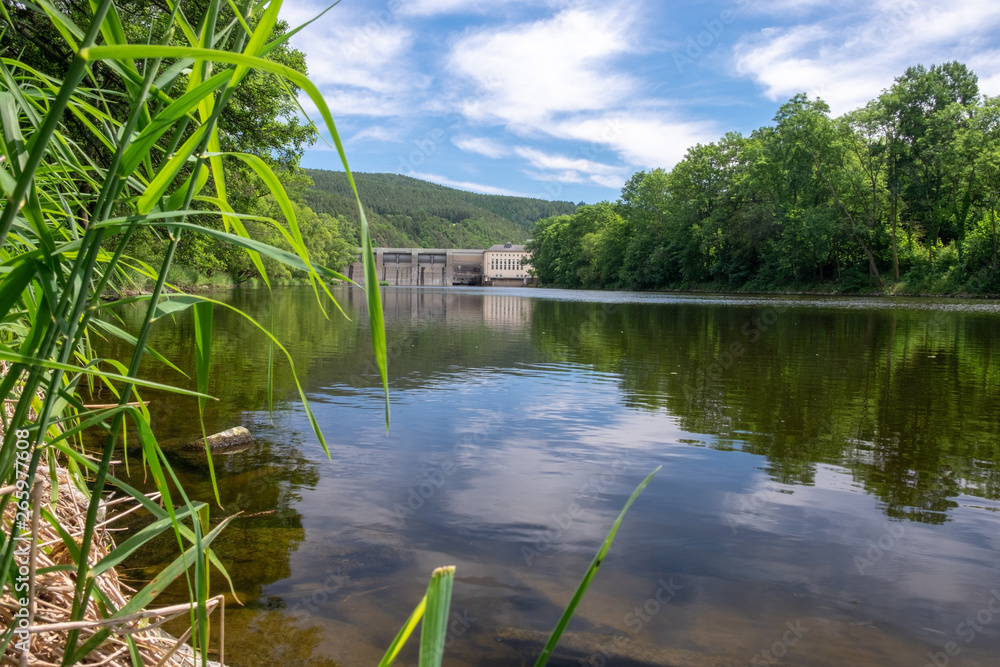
x,y
550,645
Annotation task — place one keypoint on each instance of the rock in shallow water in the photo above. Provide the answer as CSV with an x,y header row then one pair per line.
x,y
361,552
229,441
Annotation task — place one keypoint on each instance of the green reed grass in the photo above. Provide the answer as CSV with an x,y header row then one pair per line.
x,y
62,210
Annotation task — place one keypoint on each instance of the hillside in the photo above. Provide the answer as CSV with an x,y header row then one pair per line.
x,y
407,212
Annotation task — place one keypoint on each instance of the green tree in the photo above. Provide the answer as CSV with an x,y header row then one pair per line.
x,y
927,107
810,200
821,159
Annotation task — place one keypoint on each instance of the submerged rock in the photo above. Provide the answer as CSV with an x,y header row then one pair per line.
x,y
184,654
613,648
362,552
359,553
230,441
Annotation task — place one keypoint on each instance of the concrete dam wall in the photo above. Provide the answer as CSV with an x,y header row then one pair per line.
x,y
423,267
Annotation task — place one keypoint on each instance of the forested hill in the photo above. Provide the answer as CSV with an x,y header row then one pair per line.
x,y
407,212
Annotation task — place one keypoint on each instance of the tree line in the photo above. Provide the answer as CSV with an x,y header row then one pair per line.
x,y
900,195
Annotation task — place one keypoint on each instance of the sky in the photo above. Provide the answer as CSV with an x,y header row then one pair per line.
x,y
566,99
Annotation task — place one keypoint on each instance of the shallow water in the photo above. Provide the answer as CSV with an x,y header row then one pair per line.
x,y
829,491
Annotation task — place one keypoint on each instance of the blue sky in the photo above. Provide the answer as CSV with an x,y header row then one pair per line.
x,y
565,99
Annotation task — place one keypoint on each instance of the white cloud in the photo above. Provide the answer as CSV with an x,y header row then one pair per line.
x,y
353,103
482,146
528,72
379,133
848,63
350,47
556,177
541,160
465,185
787,7
560,77
989,74
580,91
605,181
433,7
358,59
608,181
563,169
644,139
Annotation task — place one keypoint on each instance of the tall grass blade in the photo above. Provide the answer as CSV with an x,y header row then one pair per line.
x,y
203,346
375,318
550,645
117,332
21,359
432,613
75,459
434,627
38,145
203,352
404,633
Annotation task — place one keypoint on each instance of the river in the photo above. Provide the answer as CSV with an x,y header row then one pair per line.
x,y
829,492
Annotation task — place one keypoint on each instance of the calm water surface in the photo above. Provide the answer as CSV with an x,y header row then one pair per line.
x,y
829,491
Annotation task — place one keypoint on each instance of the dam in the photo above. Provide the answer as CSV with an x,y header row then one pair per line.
x,y
500,265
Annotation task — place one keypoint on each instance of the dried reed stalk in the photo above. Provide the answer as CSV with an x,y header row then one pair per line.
x,y
51,593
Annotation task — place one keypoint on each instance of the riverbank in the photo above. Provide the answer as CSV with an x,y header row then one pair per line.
x,y
198,287
888,292
982,286
48,617
897,290
884,293
51,516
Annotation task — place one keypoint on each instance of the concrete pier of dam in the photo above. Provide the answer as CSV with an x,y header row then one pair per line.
x,y
423,267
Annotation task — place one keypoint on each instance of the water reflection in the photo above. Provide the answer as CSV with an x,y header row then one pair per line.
x,y
902,398
830,462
